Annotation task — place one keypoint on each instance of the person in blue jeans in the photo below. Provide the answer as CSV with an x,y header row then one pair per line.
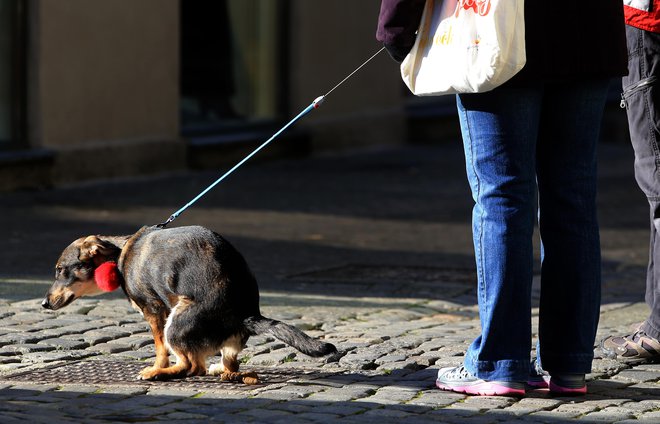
x,y
530,150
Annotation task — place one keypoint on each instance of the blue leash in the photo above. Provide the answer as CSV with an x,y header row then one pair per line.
x,y
314,105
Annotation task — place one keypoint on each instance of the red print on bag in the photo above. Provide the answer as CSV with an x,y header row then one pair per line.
x,y
480,7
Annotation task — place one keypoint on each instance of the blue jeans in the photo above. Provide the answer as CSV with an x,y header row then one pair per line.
x,y
520,143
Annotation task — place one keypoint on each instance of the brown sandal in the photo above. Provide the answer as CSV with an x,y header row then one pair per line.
x,y
636,347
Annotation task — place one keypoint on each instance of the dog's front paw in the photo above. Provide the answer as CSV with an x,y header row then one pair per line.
x,y
149,373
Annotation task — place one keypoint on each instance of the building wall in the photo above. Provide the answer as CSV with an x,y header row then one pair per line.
x,y
104,80
328,41
103,84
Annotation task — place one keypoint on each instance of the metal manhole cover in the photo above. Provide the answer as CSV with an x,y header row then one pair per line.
x,y
124,373
390,273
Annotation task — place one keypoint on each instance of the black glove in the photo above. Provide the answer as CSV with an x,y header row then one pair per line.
x,y
398,52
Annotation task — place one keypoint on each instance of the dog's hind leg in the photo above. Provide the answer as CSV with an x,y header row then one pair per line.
x,y
197,363
176,334
230,349
228,368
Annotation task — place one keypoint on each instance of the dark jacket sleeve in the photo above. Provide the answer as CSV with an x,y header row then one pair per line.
x,y
397,23
586,40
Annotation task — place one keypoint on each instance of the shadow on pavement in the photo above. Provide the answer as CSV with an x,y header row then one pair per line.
x,y
364,400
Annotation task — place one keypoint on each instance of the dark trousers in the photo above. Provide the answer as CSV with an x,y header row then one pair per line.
x,y
642,96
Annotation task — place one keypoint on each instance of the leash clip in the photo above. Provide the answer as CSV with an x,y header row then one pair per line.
x,y
164,224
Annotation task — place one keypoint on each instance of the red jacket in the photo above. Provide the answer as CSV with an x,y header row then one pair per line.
x,y
643,14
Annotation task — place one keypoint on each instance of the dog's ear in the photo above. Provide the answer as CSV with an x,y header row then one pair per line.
x,y
95,248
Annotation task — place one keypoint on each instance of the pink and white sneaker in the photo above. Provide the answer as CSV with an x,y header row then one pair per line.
x,y
458,379
559,384
568,385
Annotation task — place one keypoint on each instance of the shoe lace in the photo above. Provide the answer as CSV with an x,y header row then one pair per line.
x,y
637,335
537,371
460,373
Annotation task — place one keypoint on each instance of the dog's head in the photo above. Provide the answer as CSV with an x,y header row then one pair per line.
x,y
74,271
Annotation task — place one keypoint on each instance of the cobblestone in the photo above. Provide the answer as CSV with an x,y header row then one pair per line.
x,y
345,398
393,333
24,348
62,343
610,415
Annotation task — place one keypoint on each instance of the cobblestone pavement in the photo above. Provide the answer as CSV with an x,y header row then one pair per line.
x,y
367,251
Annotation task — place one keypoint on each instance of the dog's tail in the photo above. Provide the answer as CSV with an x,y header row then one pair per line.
x,y
289,335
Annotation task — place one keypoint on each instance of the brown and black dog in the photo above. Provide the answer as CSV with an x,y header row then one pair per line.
x,y
194,289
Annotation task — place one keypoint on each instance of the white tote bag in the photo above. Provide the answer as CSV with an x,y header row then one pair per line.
x,y
466,46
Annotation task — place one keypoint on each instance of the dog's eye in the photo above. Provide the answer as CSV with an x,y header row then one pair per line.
x,y
83,266
60,272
